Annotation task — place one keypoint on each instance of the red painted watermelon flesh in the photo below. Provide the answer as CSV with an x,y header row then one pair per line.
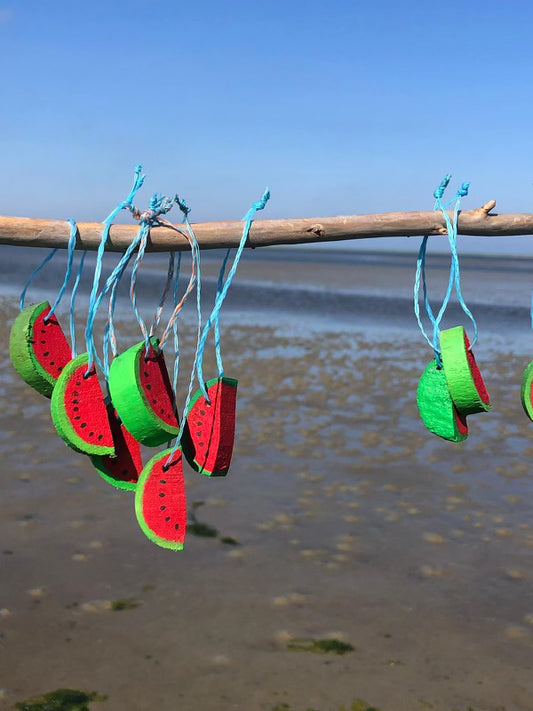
x,y
124,467
160,502
460,420
85,407
209,432
156,386
476,373
49,344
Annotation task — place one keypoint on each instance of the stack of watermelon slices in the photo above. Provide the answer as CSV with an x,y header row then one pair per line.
x,y
141,410
448,392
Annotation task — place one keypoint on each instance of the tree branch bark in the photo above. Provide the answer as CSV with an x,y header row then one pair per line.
x,y
25,231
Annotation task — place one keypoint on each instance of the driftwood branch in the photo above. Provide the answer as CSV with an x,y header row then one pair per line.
x,y
213,235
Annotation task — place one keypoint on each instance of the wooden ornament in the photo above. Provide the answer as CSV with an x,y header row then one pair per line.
x,y
160,503
526,391
436,407
122,469
142,394
209,431
38,350
462,373
78,410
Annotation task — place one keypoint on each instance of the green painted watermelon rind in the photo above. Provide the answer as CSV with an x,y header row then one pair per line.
x,y
463,390
129,399
189,455
435,404
525,392
98,464
22,354
139,492
61,419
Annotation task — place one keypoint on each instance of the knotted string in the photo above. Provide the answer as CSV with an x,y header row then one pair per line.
x,y
159,205
70,256
96,298
221,293
454,279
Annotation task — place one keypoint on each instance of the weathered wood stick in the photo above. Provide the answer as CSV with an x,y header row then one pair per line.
x,y
25,231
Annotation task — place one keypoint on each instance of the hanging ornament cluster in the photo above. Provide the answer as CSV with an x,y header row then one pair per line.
x,y
451,387
106,408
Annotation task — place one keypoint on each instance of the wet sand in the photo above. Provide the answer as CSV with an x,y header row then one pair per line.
x,y
352,523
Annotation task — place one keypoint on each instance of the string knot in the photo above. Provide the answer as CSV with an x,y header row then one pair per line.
x,y
439,192
463,190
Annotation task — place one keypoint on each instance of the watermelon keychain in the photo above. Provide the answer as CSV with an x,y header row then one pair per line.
x,y
78,408
451,386
209,431
139,384
38,347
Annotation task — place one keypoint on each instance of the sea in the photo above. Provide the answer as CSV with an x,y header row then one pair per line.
x,y
349,561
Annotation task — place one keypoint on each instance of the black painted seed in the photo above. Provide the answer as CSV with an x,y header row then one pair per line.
x,y
162,508
176,526
199,423
146,375
201,444
75,392
83,424
78,383
75,409
75,402
43,330
43,341
100,436
148,387
161,495
60,368
198,434
46,354
52,362
154,401
202,413
162,481
162,411
167,518
91,434
78,417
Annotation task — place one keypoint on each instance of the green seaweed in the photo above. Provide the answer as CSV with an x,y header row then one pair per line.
x,y
197,528
356,705
126,603
60,700
319,646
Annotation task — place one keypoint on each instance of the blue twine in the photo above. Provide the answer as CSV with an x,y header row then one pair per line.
x,y
160,305
94,300
454,279
70,256
34,274
72,302
216,329
248,218
196,255
175,329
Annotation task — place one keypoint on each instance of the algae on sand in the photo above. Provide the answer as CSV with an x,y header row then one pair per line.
x,y
319,646
60,700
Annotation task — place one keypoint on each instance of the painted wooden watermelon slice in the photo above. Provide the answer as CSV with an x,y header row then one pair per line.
x,y
160,503
122,469
38,350
462,372
526,392
142,394
209,431
78,410
436,407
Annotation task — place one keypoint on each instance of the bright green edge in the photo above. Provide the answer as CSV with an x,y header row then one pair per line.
x,y
188,454
59,415
425,404
526,390
22,354
130,402
139,492
457,370
100,468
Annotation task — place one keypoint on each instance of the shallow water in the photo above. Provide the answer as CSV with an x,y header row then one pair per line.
x,y
353,522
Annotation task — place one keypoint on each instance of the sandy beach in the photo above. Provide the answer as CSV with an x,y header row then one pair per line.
x,y
341,519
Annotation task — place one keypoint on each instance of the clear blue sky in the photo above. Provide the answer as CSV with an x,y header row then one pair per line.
x,y
340,107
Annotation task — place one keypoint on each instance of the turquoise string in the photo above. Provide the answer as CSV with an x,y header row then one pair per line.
x,y
33,275
95,299
175,329
72,303
70,256
161,304
248,218
216,327
454,279
196,255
